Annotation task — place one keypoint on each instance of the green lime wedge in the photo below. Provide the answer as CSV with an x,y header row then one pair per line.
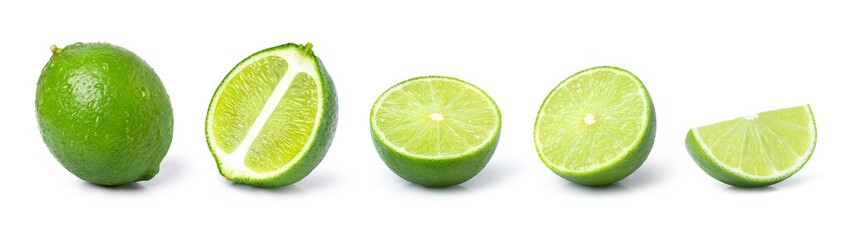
x,y
596,127
756,150
435,131
273,117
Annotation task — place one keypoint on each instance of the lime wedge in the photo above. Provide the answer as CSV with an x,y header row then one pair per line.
x,y
596,127
273,117
435,131
755,150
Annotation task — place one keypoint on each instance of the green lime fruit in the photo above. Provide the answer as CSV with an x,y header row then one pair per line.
x,y
596,127
435,131
756,150
273,117
103,113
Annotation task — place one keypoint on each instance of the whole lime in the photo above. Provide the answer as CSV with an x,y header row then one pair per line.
x,y
103,113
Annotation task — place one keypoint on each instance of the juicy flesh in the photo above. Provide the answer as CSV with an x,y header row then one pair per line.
x,y
243,98
436,117
591,120
287,129
764,144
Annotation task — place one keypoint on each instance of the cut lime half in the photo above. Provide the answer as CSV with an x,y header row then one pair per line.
x,y
273,117
755,150
435,131
596,127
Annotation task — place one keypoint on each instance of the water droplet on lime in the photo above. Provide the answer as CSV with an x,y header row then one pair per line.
x,y
145,93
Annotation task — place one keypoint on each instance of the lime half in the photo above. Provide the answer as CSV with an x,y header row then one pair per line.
x,y
755,150
273,117
435,131
596,127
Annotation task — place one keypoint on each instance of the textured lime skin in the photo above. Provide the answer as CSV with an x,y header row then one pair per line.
x,y
104,113
618,169
316,150
712,167
434,172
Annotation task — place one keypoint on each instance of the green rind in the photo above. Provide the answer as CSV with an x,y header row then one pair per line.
x,y
432,172
715,170
121,136
436,172
618,169
316,150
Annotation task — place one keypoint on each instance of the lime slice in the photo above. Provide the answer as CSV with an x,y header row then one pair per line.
x,y
435,131
756,150
272,119
596,127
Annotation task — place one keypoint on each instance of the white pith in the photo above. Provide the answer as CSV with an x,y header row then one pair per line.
x,y
777,174
233,164
589,119
437,117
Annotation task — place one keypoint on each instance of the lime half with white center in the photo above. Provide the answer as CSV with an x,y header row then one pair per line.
x,y
273,117
596,127
756,150
435,131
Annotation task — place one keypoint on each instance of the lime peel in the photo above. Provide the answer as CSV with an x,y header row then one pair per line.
x,y
104,113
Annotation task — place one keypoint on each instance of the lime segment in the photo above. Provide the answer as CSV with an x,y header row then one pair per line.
x,y
755,150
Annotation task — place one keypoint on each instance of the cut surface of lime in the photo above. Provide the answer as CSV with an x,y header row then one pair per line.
x,y
435,131
596,127
755,150
272,119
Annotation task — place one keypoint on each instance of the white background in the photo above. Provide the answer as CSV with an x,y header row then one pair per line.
x,y
702,63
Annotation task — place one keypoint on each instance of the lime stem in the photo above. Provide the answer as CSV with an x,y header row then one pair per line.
x,y
54,49
308,47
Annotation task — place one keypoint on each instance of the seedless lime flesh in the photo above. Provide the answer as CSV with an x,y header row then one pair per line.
x,y
596,127
756,150
435,131
273,117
